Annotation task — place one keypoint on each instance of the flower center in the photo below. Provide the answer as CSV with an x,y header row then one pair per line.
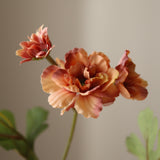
x,y
82,81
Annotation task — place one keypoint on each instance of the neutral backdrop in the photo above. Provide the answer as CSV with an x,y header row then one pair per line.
x,y
110,26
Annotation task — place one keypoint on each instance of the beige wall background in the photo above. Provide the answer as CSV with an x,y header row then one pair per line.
x,y
110,26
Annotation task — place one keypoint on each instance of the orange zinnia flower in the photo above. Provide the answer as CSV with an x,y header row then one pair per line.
x,y
37,47
82,82
130,84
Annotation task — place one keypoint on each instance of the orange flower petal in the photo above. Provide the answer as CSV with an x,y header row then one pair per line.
x,y
38,46
100,60
89,106
124,91
67,108
76,56
113,75
122,75
107,97
77,70
137,92
106,100
48,84
26,60
86,73
35,38
61,98
60,77
129,82
22,53
124,58
63,79
98,80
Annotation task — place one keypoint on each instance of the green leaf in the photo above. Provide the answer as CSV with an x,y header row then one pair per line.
x,y
7,126
7,144
36,119
21,147
11,139
8,118
135,146
8,135
148,125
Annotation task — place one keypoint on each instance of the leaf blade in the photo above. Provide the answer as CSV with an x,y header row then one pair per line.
x,y
135,146
36,123
148,125
7,126
7,117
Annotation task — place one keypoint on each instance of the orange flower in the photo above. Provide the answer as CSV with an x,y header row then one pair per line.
x,y
38,46
82,82
130,84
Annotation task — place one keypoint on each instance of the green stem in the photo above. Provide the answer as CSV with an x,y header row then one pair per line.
x,y
31,156
71,135
51,60
147,152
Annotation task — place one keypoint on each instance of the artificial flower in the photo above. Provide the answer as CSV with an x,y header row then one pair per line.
x,y
38,46
130,84
82,82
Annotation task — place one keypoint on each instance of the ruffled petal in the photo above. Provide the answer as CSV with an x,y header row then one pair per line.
x,y
99,79
48,84
40,55
35,38
113,75
122,75
124,58
130,84
23,53
100,60
77,70
124,91
86,73
60,77
63,79
137,92
26,60
67,108
122,68
107,97
89,106
77,55
61,99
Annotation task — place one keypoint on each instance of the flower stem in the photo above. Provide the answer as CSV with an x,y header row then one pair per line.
x,y
71,135
51,60
147,152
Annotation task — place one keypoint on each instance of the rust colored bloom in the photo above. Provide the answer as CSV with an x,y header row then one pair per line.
x,y
130,84
38,46
82,82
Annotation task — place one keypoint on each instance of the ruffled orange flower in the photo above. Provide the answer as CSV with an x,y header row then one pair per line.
x,y
82,82
130,84
38,46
